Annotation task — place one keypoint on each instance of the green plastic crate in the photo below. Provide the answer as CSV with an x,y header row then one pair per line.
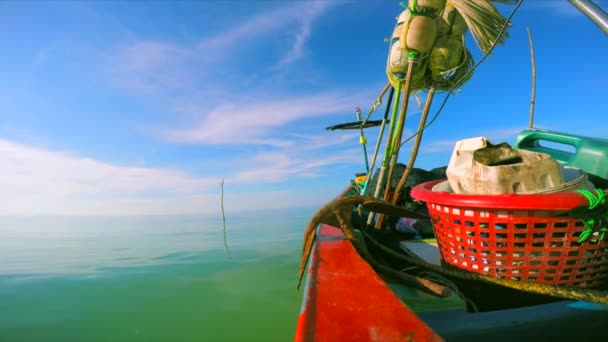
x,y
588,154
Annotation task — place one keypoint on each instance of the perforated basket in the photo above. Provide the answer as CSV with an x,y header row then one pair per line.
x,y
518,237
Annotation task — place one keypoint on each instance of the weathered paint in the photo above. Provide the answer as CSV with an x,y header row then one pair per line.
x,y
345,300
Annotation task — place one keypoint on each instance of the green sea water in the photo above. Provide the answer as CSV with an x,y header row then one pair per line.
x,y
150,278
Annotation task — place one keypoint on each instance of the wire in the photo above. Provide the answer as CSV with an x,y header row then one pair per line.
x,y
445,100
377,103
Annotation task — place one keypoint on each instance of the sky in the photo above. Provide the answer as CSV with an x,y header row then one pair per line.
x,y
137,108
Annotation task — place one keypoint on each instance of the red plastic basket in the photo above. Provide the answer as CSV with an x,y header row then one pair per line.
x,y
517,237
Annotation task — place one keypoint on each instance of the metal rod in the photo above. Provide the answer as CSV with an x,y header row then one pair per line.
x,y
533,96
370,172
593,12
362,139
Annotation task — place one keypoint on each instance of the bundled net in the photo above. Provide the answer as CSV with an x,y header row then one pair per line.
x,y
432,33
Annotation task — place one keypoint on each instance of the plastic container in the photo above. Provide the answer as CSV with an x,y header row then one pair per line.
x,y
478,167
526,172
519,237
574,179
461,161
588,154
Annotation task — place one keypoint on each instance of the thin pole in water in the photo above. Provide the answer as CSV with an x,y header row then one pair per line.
x,y
533,97
224,220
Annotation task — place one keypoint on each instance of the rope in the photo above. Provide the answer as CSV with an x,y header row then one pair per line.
x,y
593,216
548,290
593,200
377,103
338,214
423,11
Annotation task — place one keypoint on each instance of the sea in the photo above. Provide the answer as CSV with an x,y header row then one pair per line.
x,y
154,278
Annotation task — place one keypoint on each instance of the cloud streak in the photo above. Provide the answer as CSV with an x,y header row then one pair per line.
x,y
306,19
35,180
495,136
267,22
250,121
149,66
193,83
283,165
562,8
152,66
60,174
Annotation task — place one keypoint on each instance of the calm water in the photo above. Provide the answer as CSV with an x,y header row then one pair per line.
x,y
150,278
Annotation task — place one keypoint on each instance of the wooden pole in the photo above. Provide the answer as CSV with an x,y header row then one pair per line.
x,y
533,97
414,154
396,141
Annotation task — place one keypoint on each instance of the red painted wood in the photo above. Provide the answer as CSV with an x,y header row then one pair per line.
x,y
345,300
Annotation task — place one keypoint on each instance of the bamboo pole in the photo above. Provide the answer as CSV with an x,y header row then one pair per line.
x,y
388,150
370,172
414,154
396,139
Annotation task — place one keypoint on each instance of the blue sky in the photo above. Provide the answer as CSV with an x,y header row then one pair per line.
x,y
128,108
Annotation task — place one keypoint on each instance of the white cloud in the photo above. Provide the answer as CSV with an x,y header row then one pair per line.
x,y
35,180
266,22
194,82
285,164
306,19
51,179
61,174
439,146
335,138
148,66
249,121
495,136
22,135
297,49
505,134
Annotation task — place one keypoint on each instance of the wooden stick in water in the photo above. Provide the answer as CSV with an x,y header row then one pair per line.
x,y
533,96
224,221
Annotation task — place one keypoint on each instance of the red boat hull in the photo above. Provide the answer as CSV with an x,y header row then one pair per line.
x,y
345,300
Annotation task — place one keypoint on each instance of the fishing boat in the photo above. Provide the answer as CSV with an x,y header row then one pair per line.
x,y
365,282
